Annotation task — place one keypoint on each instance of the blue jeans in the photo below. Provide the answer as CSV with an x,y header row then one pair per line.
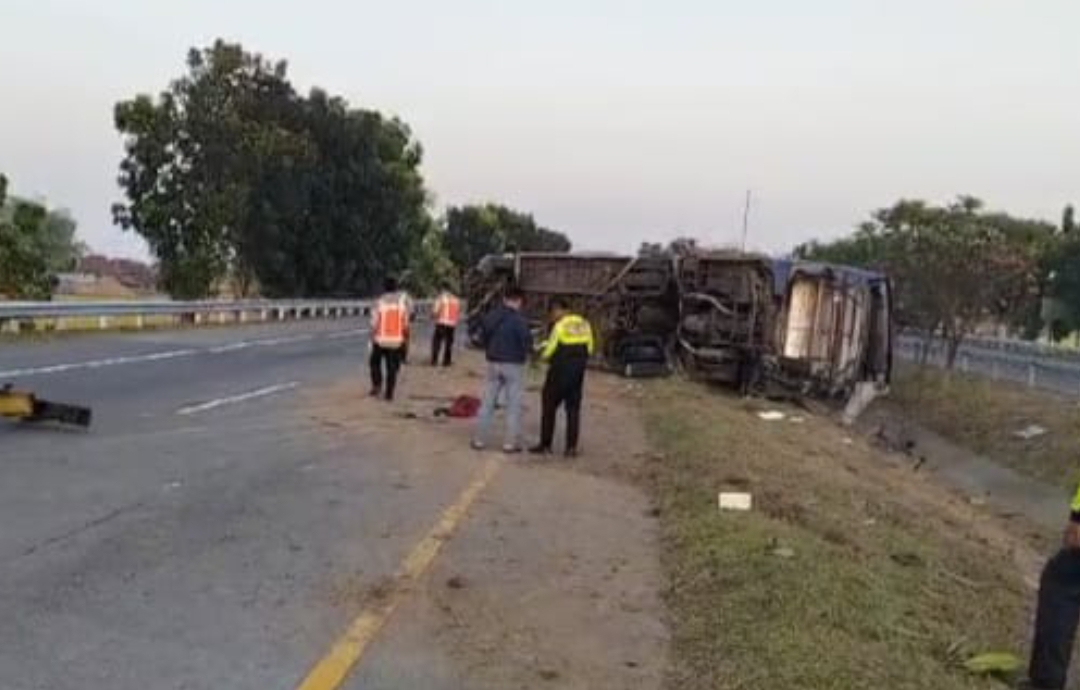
x,y
508,378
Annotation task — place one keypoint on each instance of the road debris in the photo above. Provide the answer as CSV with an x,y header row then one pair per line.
x,y
736,501
997,664
772,415
1030,432
24,406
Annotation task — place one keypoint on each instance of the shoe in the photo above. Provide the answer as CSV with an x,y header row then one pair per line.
x,y
512,450
570,453
476,445
540,450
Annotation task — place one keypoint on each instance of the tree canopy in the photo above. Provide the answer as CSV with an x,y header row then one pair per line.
x,y
954,266
231,174
35,244
473,232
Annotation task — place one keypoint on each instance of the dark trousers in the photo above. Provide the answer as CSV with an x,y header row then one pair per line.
x,y
392,359
1056,621
444,340
564,386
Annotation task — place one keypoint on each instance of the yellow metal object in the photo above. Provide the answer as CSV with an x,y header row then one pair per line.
x,y
16,404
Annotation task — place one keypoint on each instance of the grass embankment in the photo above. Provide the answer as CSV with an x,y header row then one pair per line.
x,y
985,416
889,582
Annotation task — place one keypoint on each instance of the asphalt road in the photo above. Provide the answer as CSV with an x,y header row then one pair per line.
x,y
199,534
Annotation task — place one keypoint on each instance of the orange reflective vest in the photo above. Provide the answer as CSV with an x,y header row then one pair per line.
x,y
390,322
447,310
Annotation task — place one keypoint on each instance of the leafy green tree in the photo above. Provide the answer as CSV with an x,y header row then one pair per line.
x,y
35,244
473,232
954,266
23,266
230,173
1068,220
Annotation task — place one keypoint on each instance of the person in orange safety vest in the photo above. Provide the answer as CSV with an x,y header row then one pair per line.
x,y
389,336
447,314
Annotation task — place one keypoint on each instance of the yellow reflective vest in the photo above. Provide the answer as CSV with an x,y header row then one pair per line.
x,y
570,330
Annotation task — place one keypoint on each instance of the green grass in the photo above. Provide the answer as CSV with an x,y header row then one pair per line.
x,y
888,588
984,416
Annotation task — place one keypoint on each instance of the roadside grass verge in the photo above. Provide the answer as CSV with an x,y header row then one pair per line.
x,y
849,571
984,416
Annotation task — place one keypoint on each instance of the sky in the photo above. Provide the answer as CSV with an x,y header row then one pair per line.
x,y
615,121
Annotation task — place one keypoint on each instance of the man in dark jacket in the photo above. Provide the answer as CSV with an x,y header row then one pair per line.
x,y
508,343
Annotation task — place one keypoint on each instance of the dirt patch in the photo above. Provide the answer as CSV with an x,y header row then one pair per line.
x,y
554,579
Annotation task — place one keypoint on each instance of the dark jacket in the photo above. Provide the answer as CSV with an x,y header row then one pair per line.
x,y
506,336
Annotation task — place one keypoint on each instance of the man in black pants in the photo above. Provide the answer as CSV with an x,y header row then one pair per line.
x,y
1058,610
568,349
389,339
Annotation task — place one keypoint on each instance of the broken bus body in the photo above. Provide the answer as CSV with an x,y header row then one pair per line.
x,y
729,317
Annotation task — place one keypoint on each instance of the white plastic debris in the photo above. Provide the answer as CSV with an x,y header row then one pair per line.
x,y
797,420
740,501
772,415
1030,432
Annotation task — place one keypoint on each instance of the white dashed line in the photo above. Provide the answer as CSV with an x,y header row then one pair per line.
x,y
233,399
171,354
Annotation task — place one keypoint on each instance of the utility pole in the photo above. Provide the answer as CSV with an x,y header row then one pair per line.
x,y
746,218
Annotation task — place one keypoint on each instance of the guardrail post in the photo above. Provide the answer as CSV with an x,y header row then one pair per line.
x,y
139,321
965,364
1031,375
241,316
103,322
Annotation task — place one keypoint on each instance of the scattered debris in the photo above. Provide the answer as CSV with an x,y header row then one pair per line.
x,y
739,501
456,582
797,420
548,674
997,664
848,441
772,415
907,559
784,552
1030,432
463,407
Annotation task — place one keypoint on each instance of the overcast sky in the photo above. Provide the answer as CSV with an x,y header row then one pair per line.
x,y
615,121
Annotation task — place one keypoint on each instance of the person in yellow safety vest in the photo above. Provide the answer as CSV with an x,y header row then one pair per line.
x,y
1058,612
389,338
567,350
447,314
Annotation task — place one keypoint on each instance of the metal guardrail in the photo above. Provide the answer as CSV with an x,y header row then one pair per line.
x,y
15,316
1033,369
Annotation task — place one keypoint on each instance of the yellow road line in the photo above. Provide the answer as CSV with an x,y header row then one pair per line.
x,y
332,670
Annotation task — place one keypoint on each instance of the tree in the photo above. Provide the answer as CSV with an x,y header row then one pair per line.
x,y
473,232
1068,220
229,173
35,244
954,266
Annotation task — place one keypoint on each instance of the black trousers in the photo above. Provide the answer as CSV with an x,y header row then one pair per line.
x,y
391,357
444,340
1056,621
564,386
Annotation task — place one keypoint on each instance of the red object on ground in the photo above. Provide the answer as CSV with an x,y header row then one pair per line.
x,y
464,407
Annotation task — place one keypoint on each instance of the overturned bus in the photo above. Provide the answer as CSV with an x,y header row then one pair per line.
x,y
630,302
738,319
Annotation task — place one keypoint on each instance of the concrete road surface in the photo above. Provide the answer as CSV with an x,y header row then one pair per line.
x,y
210,532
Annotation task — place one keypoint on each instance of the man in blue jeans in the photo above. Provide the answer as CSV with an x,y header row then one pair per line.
x,y
508,344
